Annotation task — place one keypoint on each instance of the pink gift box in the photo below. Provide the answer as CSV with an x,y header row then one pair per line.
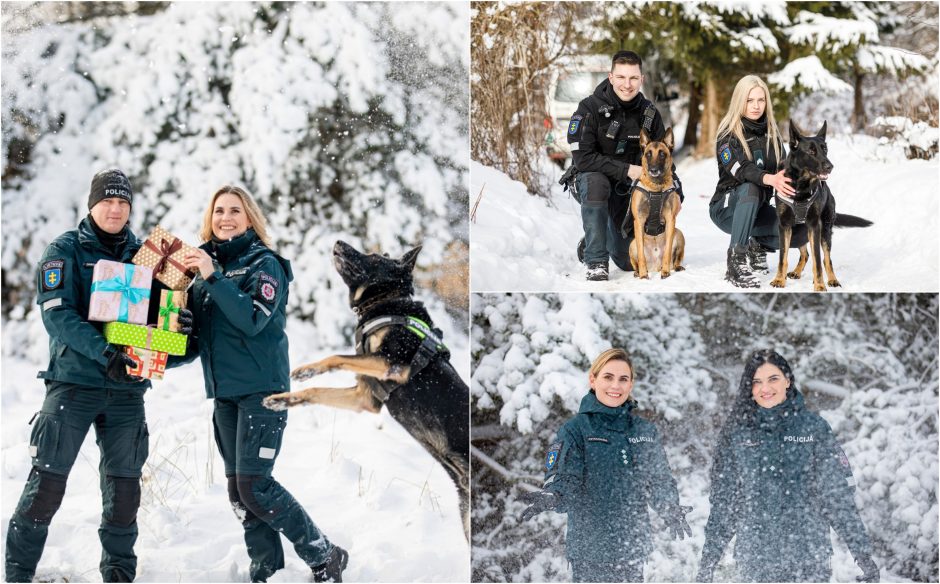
x,y
120,292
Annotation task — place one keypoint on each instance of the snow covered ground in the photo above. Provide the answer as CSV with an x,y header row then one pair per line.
x,y
364,481
525,243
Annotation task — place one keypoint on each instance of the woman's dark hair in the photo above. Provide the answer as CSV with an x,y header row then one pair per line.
x,y
744,401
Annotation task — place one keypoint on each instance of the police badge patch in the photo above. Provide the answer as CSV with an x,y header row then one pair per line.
x,y
52,274
551,457
267,287
725,153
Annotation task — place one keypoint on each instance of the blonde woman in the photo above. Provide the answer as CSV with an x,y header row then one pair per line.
x,y
751,157
239,300
605,467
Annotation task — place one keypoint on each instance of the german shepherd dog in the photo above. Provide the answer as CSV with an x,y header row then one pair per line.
x,y
654,206
399,361
808,167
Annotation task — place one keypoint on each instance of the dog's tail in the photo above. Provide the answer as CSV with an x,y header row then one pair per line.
x,y
843,220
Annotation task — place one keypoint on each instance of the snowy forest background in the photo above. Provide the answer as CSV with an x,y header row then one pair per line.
x,y
346,121
867,363
866,67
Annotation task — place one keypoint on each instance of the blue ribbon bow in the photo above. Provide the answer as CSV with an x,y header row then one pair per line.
x,y
122,285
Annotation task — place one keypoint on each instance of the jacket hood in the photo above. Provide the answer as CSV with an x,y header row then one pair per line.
x,y
770,417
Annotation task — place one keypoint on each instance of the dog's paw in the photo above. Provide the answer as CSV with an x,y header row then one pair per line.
x,y
304,372
642,275
664,275
820,287
678,268
794,275
778,283
280,401
833,283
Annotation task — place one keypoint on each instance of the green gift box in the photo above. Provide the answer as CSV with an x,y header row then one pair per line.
x,y
145,337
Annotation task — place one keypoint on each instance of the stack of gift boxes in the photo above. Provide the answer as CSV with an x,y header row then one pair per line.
x,y
120,297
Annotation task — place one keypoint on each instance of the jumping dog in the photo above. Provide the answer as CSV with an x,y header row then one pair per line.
x,y
654,206
400,362
808,167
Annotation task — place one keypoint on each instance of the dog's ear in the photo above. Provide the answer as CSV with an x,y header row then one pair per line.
x,y
410,258
822,131
794,135
644,139
668,139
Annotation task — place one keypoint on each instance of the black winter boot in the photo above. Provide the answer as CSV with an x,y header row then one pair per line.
x,y
332,569
738,272
597,272
581,250
757,256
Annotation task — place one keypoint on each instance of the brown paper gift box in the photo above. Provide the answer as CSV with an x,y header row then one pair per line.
x,y
164,252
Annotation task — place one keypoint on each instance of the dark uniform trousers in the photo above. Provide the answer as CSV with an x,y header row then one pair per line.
x,y
57,435
602,237
249,438
743,213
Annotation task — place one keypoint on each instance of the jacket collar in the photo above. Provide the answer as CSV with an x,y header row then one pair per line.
x,y
87,238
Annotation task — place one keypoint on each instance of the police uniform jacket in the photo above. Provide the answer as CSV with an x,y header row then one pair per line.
x,y
778,482
78,351
239,315
735,168
606,466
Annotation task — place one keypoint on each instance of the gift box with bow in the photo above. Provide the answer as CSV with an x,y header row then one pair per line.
x,y
145,337
171,301
120,292
148,364
163,252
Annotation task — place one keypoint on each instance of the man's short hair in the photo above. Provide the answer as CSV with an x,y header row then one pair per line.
x,y
626,58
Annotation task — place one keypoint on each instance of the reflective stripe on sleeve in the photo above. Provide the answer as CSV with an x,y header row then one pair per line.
x,y
263,308
51,303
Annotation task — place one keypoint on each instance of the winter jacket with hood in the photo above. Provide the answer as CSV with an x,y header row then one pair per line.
x,y
735,168
606,467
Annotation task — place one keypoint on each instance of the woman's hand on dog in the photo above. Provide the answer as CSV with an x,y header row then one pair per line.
x,y
634,171
199,260
780,183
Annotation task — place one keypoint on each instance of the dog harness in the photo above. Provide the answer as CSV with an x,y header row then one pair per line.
x,y
800,208
654,222
430,348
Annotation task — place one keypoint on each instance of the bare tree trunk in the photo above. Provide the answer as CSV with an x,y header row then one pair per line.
x,y
691,129
858,114
711,114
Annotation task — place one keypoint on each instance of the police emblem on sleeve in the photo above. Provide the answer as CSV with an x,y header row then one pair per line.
x,y
267,287
52,274
725,153
551,457
574,125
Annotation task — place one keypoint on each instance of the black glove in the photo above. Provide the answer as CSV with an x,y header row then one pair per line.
x,y
869,569
676,523
538,501
118,362
185,321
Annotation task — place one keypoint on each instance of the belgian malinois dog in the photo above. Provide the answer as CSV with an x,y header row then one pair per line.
x,y
400,362
808,168
657,244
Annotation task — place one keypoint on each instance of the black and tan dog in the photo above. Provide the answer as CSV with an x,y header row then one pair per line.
x,y
654,206
808,168
400,362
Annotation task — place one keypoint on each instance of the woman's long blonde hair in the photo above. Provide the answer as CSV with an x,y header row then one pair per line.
x,y
255,216
731,123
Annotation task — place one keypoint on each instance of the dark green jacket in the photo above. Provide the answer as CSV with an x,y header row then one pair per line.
x,y
778,481
76,346
239,318
607,465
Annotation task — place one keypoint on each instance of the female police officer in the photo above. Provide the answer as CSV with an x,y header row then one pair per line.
x,y
778,481
750,166
239,304
605,466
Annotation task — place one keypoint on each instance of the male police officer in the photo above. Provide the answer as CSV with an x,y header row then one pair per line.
x,y
86,383
604,135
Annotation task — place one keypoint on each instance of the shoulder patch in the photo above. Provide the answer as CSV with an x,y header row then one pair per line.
x,y
724,152
267,287
551,457
574,124
52,274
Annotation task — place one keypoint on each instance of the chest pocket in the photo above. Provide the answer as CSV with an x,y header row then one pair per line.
x,y
598,458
